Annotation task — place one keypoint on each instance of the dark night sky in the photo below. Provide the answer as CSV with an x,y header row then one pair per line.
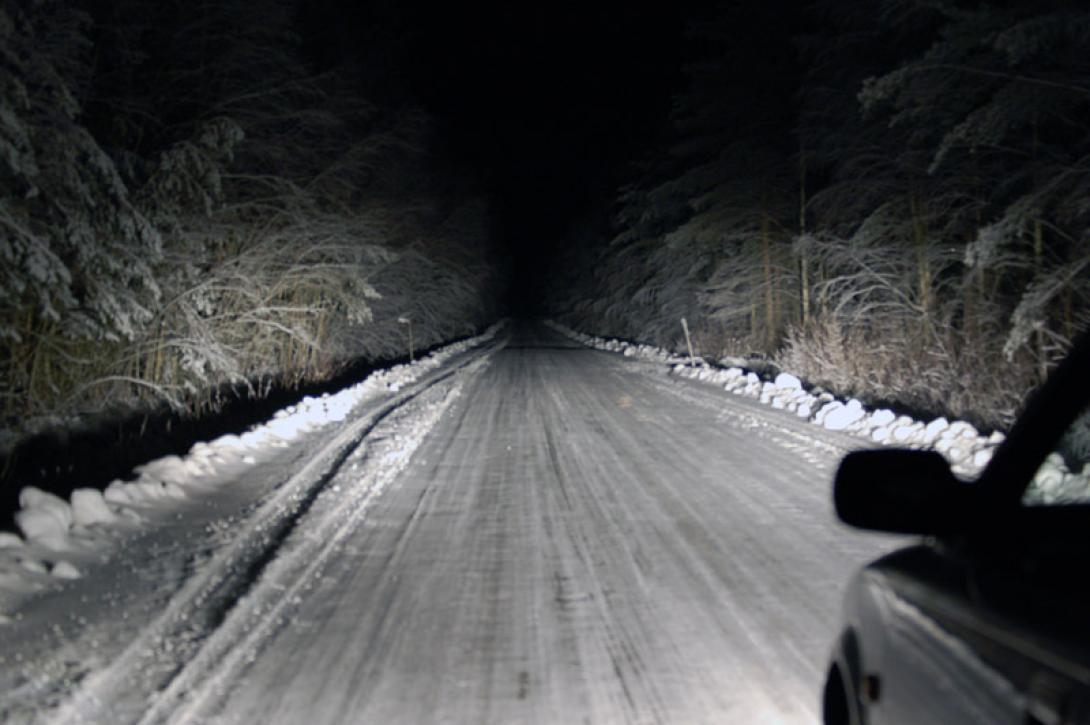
x,y
548,103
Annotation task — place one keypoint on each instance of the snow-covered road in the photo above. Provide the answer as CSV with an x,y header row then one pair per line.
x,y
579,538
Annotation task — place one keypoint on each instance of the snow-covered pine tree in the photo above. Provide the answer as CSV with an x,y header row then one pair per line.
x,y
705,232
197,209
1007,83
77,256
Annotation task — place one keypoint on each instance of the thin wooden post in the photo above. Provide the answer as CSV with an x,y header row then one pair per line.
x,y
408,321
688,342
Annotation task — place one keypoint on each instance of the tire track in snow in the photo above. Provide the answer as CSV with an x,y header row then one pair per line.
x,y
205,679
155,658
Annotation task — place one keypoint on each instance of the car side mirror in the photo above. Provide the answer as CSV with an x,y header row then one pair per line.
x,y
900,491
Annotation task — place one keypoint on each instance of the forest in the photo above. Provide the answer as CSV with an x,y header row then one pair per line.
x,y
890,199
202,201
195,207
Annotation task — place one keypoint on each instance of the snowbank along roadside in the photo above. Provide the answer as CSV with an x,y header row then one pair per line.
x,y
58,538
958,441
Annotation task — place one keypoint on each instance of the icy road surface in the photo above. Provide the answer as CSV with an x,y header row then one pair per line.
x,y
579,538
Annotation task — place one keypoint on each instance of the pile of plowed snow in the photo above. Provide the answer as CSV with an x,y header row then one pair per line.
x,y
56,535
967,450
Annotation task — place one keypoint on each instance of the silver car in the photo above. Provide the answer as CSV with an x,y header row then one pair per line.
x,y
986,619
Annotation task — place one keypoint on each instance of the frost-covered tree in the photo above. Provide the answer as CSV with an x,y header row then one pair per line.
x,y
1007,83
77,257
196,210
704,233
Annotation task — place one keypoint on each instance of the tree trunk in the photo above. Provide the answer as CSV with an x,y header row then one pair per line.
x,y
804,255
754,321
1038,271
804,287
770,299
923,264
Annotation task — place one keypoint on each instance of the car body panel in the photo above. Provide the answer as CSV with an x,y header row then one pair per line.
x,y
954,640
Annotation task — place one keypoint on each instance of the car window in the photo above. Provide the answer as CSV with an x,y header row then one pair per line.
x,y
1064,477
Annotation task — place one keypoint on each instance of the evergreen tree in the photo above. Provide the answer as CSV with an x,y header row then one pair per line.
x,y
1002,88
77,257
